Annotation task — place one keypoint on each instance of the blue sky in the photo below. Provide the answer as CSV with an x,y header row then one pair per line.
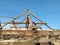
x,y
47,10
